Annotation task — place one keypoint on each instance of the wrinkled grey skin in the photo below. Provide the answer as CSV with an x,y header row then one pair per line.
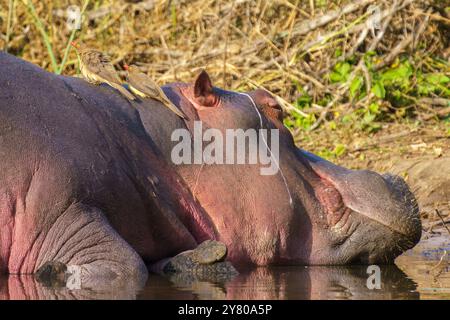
x,y
86,180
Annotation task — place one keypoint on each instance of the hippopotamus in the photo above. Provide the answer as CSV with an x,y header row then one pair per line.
x,y
87,181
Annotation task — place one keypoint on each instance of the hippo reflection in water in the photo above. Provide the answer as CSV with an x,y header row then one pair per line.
x,y
316,282
87,181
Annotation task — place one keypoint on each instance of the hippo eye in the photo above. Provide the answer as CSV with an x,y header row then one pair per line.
x,y
274,105
268,104
273,110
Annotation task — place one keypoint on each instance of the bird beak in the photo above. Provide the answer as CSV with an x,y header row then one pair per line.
x,y
126,67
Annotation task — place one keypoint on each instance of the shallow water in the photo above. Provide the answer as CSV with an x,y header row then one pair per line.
x,y
421,273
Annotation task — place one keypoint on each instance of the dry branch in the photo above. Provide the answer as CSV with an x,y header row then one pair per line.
x,y
310,25
287,47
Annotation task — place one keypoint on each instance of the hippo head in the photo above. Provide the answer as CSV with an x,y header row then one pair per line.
x,y
310,211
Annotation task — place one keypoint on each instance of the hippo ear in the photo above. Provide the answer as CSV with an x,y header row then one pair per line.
x,y
203,90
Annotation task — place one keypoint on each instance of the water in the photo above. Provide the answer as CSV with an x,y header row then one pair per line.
x,y
418,274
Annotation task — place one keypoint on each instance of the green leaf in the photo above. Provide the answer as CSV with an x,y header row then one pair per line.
x,y
347,118
340,72
436,78
374,108
401,74
355,86
368,117
343,68
373,127
339,150
299,121
326,154
303,101
379,90
332,125
336,77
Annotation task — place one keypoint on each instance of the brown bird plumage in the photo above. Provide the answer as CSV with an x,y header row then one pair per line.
x,y
143,86
97,68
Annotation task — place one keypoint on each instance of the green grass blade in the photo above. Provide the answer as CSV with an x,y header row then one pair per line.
x,y
40,27
9,23
72,36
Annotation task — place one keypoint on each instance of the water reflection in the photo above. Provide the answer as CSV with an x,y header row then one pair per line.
x,y
429,265
288,283
422,273
260,283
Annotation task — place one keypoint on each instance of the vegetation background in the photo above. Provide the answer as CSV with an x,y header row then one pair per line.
x,y
363,83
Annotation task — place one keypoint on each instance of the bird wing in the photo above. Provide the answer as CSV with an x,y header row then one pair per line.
x,y
100,64
144,84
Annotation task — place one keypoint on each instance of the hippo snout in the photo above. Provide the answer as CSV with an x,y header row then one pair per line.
x,y
379,212
409,223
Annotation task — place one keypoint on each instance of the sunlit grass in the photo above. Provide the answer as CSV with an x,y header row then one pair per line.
x,y
40,26
58,69
71,38
256,44
9,23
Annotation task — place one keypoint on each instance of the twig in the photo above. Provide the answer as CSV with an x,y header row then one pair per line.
x,y
307,77
439,264
213,36
441,113
436,101
412,37
383,15
284,104
163,42
367,78
422,27
311,46
355,47
311,6
442,219
310,25
386,23
364,29
324,113
431,225
99,13
440,261
385,139
291,22
227,30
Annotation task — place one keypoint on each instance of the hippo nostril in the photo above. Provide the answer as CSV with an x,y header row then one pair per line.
x,y
408,202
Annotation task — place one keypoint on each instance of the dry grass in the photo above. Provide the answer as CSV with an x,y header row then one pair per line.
x,y
288,47
243,44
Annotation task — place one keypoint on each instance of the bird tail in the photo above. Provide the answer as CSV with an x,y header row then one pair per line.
x,y
123,91
172,107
